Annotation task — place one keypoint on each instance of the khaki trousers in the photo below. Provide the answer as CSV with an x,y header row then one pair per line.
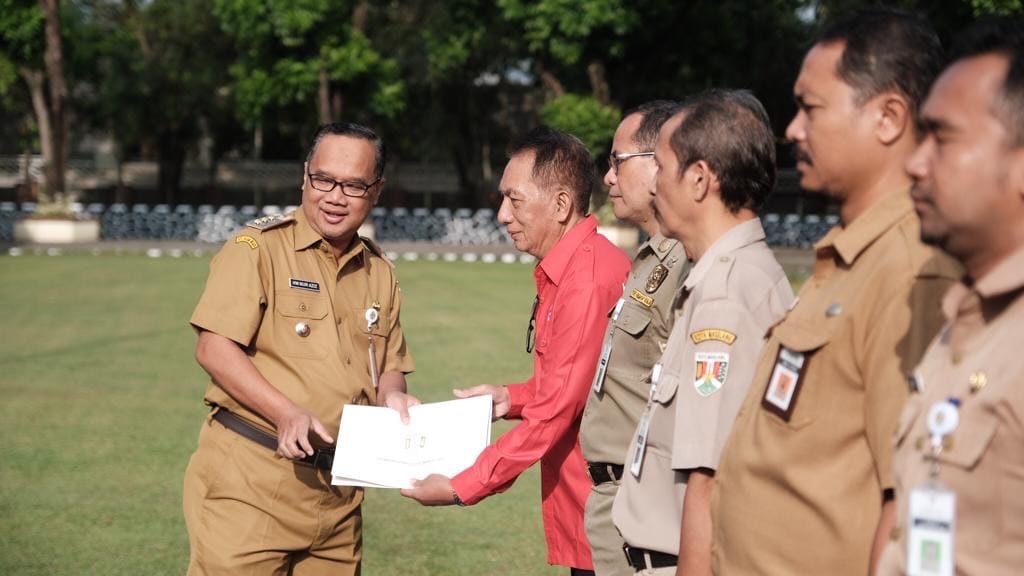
x,y
605,540
249,512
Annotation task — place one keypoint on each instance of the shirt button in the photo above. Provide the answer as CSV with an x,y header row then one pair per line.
x,y
339,321
302,307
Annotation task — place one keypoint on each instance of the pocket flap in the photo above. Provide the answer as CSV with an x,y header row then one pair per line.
x,y
632,321
297,305
799,338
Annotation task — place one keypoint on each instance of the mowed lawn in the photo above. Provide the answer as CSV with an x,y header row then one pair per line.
x,y
101,401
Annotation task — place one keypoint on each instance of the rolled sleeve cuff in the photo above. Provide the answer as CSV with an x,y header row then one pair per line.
x,y
235,331
518,397
470,490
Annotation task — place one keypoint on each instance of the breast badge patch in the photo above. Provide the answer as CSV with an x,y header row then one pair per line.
x,y
243,239
712,368
656,277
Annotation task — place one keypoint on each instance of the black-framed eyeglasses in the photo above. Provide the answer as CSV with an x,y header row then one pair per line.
x,y
531,326
350,189
617,158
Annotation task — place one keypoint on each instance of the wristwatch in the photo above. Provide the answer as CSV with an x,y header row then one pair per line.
x,y
456,500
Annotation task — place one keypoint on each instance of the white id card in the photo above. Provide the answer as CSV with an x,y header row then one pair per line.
x,y
602,366
931,522
636,460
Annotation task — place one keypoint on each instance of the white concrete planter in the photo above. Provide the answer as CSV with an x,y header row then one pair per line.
x,y
43,231
625,237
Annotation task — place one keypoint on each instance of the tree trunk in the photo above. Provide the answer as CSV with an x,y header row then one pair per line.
x,y
550,82
324,96
599,82
34,80
171,158
58,96
337,105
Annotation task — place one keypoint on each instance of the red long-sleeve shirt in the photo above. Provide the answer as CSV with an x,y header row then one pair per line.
x,y
578,283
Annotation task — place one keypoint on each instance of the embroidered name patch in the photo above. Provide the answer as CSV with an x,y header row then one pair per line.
x,y
641,298
246,240
304,284
713,334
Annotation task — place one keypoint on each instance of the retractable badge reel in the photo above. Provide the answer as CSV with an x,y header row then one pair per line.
x,y
932,508
372,316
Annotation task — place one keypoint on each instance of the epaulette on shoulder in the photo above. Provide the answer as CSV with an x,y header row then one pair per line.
x,y
376,249
268,222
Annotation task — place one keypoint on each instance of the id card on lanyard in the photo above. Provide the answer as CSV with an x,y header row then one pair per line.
x,y
636,459
606,350
931,511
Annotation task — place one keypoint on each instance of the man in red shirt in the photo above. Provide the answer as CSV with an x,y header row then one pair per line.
x,y
546,188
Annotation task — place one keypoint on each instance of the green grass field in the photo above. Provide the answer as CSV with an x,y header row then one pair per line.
x,y
102,402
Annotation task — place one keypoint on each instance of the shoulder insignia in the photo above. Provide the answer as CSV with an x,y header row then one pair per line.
x,y
243,239
713,334
375,249
268,222
711,371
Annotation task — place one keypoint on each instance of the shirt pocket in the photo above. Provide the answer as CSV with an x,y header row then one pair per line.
x,y
632,321
293,310
808,342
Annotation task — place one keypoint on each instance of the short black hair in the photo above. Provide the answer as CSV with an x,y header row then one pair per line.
x,y
1003,36
352,130
559,159
887,50
731,131
654,113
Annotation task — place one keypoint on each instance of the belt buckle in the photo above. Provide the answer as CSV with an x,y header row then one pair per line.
x,y
324,456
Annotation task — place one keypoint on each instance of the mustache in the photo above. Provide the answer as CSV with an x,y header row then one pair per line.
x,y
801,155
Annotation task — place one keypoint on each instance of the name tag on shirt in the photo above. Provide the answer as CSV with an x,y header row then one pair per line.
x,y
780,396
931,521
304,284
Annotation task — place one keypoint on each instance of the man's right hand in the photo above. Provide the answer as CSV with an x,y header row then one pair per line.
x,y
499,396
293,430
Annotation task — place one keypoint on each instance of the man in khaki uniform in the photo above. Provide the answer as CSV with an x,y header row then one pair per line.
x,y
969,194
637,333
805,484
294,310
716,167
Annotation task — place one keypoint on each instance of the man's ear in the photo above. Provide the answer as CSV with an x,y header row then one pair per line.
x,y
1016,174
894,117
563,204
699,180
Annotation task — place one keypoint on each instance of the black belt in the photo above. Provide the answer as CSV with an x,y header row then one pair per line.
x,y
321,458
638,558
600,472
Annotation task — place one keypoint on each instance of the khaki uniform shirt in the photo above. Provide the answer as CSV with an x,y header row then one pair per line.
x,y
637,337
977,359
802,493
264,283
730,298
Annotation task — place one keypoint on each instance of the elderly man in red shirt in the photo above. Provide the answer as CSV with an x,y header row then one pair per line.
x,y
546,188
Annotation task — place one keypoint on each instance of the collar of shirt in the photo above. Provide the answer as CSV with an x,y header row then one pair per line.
x,y
660,245
851,240
306,237
1006,277
557,260
737,237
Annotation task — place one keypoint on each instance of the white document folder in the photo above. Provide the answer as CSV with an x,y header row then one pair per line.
x,y
376,450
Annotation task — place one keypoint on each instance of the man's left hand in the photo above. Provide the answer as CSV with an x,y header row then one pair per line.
x,y
434,490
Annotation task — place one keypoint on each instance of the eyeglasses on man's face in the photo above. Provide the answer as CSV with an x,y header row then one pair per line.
x,y
617,158
351,189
